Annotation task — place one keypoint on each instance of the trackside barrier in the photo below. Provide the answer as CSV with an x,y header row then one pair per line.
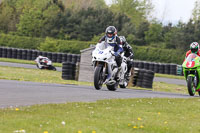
x,y
28,54
143,78
179,70
162,68
70,70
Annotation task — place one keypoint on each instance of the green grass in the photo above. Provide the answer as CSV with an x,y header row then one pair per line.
x,y
149,115
169,76
35,75
161,86
25,61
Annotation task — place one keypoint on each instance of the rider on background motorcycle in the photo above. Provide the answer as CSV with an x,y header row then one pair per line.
x,y
128,52
194,48
113,40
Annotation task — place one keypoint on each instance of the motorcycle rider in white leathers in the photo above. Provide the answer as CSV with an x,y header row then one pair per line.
x,y
113,40
38,61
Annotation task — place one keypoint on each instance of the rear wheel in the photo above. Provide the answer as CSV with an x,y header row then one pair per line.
x,y
190,85
98,77
126,81
125,84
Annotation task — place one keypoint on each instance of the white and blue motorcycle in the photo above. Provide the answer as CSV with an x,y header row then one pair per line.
x,y
106,70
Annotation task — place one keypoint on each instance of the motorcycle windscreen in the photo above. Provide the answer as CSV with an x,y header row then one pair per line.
x,y
102,46
191,60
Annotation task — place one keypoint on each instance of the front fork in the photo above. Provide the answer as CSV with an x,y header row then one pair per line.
x,y
196,84
104,71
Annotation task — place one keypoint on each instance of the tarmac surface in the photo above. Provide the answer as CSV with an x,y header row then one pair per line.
x,y
22,93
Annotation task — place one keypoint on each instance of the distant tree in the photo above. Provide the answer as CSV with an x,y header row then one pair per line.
x,y
197,30
178,36
167,28
9,16
77,5
196,11
40,18
189,32
87,23
140,33
154,34
137,10
174,39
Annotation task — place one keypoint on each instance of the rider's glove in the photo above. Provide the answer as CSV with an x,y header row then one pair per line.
x,y
131,56
116,54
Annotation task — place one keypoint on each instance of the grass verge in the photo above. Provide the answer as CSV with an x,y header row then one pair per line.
x,y
149,115
169,76
35,75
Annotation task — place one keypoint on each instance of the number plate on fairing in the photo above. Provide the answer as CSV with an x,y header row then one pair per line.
x,y
100,52
190,64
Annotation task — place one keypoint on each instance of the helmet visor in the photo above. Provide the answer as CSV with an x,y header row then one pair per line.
x,y
194,50
109,35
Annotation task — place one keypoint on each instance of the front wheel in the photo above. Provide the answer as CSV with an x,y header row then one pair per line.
x,y
98,77
52,68
113,87
190,85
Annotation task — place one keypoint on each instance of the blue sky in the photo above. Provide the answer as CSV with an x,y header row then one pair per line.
x,y
171,10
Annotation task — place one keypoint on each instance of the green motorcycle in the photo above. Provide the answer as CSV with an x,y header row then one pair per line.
x,y
191,70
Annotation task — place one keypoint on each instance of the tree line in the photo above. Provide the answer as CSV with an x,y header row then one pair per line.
x,y
86,20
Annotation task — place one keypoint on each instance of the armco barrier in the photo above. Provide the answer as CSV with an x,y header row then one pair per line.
x,y
28,54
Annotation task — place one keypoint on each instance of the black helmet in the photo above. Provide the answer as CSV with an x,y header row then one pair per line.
x,y
111,31
194,47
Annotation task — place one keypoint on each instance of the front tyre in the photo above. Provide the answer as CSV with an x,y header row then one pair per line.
x,y
190,85
52,68
98,77
113,87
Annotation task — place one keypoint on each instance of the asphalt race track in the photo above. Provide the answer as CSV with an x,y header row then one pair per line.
x,y
21,93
